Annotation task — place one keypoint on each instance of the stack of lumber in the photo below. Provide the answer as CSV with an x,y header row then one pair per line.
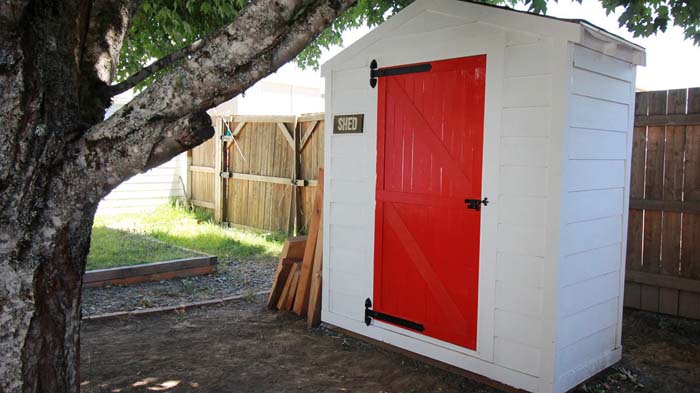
x,y
297,283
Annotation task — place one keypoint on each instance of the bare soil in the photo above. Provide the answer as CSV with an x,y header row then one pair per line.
x,y
243,347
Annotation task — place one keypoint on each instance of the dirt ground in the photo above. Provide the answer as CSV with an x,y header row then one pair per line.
x,y
242,347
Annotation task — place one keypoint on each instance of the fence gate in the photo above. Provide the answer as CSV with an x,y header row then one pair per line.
x,y
260,171
663,245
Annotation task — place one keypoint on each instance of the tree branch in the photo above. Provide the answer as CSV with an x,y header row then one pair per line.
x,y
154,67
266,35
106,25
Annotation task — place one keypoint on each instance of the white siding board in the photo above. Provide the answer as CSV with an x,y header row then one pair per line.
x,y
522,210
517,38
588,348
523,181
533,59
526,122
595,174
578,297
173,186
527,91
519,270
587,235
348,147
524,151
345,304
520,328
347,259
345,282
597,145
593,204
516,356
350,169
353,101
429,21
348,191
587,112
163,194
346,80
597,62
342,236
148,190
587,322
591,84
521,239
590,263
515,299
349,214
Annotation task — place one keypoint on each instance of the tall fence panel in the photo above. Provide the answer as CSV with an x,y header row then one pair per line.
x,y
663,245
269,166
202,174
311,159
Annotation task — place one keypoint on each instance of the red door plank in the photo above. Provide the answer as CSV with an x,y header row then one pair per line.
x,y
429,159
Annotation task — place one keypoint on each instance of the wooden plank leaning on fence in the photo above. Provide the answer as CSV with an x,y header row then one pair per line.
x,y
301,303
314,313
293,250
297,284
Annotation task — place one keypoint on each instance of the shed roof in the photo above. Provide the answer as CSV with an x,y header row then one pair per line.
x,y
578,31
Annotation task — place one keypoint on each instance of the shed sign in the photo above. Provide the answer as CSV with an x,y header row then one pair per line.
x,y
348,124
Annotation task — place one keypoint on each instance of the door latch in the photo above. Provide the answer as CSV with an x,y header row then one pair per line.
x,y
475,204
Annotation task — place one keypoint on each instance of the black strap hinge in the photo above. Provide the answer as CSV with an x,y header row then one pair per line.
x,y
375,72
369,314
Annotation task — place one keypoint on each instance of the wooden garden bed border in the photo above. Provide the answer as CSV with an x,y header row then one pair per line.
x,y
126,275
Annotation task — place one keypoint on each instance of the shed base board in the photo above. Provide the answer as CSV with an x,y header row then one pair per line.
x,y
470,366
445,366
588,370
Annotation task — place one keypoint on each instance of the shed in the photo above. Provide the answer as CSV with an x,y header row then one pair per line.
x,y
476,191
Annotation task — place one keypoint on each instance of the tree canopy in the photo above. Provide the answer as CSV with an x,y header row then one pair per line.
x,y
163,27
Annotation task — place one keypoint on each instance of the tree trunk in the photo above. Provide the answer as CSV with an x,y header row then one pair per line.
x,y
45,215
58,158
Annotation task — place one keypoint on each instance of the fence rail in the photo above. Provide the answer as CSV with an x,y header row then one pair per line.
x,y
259,171
663,245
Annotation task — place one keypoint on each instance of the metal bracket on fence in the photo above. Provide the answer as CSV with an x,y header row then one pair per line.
x,y
225,175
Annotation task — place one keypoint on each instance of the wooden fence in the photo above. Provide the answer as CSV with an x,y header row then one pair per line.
x,y
259,171
663,246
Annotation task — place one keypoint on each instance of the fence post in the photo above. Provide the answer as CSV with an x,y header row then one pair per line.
x,y
218,168
296,174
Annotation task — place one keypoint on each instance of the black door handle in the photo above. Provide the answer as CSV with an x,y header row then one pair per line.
x,y
475,204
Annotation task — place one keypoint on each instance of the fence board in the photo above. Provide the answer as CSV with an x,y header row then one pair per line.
x,y
262,179
674,150
634,239
664,200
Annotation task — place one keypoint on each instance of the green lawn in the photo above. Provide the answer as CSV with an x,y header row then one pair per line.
x,y
123,239
113,247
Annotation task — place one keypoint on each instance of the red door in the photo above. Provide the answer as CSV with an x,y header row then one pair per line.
x,y
429,157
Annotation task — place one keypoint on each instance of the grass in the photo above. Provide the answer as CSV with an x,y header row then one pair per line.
x,y
115,236
112,248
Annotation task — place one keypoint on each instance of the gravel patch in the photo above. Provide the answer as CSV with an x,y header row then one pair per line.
x,y
233,278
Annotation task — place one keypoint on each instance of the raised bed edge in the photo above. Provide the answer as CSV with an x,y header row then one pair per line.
x,y
151,271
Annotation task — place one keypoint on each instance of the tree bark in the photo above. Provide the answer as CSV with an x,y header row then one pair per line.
x,y
58,158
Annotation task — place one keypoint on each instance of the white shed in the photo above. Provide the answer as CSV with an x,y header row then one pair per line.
x,y
476,190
